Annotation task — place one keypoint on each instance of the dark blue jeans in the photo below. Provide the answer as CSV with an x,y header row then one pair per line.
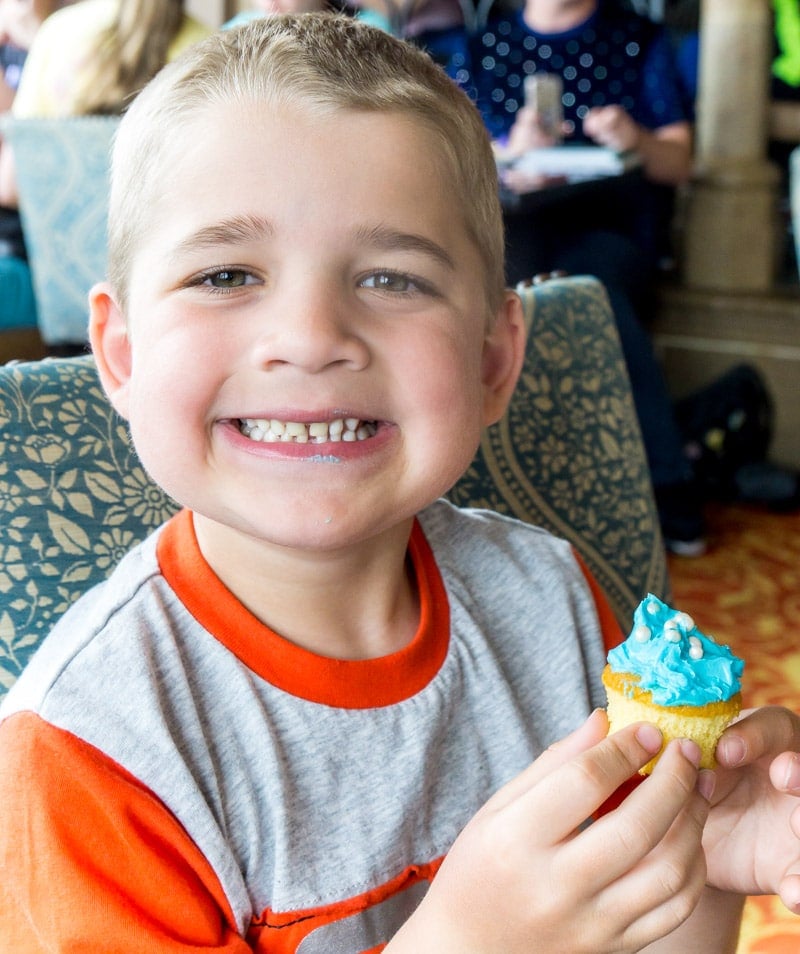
x,y
626,265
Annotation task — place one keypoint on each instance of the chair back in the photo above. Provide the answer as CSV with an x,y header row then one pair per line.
x,y
73,498
568,455
62,179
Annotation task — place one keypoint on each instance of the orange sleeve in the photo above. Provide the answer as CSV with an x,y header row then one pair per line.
x,y
609,625
91,860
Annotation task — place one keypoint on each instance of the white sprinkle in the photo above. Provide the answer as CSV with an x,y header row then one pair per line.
x,y
695,648
642,633
685,621
652,607
672,634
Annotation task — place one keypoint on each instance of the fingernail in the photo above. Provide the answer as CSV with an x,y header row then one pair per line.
x,y
791,781
691,751
649,737
731,750
706,782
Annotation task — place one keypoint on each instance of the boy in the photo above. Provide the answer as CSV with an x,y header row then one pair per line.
x,y
285,708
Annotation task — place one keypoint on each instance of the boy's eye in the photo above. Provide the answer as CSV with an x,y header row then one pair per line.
x,y
397,282
227,278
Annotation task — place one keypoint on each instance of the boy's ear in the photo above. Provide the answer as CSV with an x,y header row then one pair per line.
x,y
503,354
108,335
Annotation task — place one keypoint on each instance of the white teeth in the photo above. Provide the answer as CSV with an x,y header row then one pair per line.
x,y
319,432
296,430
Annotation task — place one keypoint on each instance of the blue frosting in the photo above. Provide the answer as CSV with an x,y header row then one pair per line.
x,y
677,663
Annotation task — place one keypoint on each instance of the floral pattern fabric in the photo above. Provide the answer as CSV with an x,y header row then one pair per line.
x,y
73,498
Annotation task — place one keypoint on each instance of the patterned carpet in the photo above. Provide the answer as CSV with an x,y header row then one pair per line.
x,y
746,591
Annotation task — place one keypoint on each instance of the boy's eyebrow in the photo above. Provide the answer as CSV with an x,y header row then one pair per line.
x,y
238,230
391,240
242,229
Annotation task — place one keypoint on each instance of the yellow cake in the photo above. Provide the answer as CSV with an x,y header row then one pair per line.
x,y
669,673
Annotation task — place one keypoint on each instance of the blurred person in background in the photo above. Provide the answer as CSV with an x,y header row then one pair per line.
x,y
19,23
621,90
92,57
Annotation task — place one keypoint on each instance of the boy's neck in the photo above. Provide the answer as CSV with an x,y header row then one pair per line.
x,y
360,603
557,16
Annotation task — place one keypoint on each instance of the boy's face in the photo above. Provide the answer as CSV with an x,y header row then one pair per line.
x,y
308,272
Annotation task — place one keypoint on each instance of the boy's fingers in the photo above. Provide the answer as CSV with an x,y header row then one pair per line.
x,y
593,730
789,892
784,773
759,732
658,892
572,791
646,818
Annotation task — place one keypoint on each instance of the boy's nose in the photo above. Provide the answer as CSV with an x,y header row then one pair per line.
x,y
312,330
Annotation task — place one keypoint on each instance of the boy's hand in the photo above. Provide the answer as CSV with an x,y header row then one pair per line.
x,y
524,875
752,839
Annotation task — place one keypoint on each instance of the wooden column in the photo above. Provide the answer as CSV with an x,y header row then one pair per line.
x,y
731,237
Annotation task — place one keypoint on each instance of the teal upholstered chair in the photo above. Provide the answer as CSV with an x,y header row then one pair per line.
x,y
74,498
62,180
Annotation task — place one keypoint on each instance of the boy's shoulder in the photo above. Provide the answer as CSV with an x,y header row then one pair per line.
x,y
477,523
464,538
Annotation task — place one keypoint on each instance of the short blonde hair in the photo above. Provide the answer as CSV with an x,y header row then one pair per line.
x,y
320,61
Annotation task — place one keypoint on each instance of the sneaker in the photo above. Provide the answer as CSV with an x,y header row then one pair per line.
x,y
681,516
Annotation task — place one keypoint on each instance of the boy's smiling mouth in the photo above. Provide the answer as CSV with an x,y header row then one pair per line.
x,y
340,429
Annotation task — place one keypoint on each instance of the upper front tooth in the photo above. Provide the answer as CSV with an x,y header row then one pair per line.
x,y
348,429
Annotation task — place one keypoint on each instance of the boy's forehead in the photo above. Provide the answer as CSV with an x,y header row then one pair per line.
x,y
244,159
231,130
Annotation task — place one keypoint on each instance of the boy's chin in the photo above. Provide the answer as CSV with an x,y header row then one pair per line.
x,y
315,530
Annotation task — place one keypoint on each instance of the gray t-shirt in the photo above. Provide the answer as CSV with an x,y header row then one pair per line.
x,y
308,782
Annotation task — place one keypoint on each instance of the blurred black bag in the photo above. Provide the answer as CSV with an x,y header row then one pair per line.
x,y
727,429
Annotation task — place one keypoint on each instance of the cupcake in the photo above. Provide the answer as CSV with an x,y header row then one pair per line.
x,y
669,673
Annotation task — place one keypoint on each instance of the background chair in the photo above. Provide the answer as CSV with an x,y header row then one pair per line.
x,y
568,456
62,179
